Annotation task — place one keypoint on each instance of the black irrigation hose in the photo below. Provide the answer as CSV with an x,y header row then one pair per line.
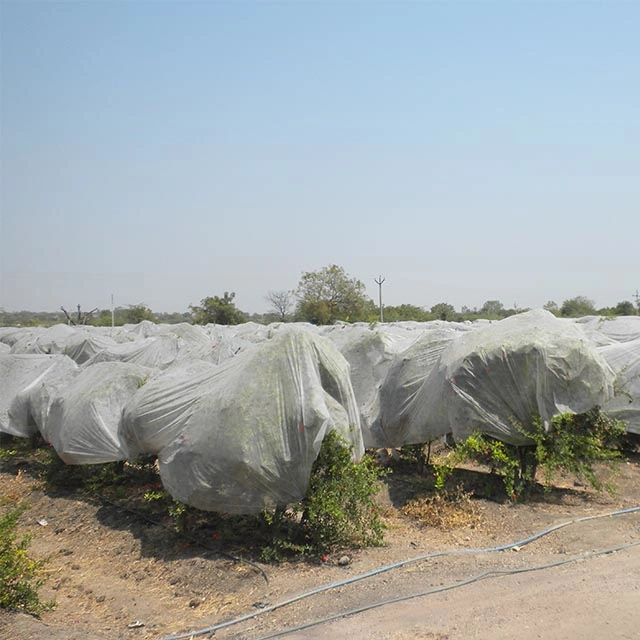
x,y
455,585
396,565
194,540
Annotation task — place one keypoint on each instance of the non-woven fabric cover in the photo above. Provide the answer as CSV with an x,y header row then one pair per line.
x,y
624,359
158,352
158,412
251,439
84,420
408,372
369,352
603,330
497,378
18,374
29,410
83,345
46,341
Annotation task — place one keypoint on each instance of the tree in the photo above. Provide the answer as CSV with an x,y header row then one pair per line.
x,y
577,307
281,302
552,307
493,309
137,313
329,294
443,311
625,308
216,310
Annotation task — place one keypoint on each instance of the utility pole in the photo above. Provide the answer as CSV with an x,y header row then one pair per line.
x,y
379,282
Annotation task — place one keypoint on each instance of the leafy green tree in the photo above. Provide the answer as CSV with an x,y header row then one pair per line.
x,y
552,307
493,309
138,312
625,308
216,310
443,311
577,307
329,294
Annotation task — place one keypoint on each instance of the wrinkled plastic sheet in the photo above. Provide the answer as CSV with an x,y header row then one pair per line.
x,y
624,359
370,352
26,384
405,377
497,378
250,438
84,423
158,351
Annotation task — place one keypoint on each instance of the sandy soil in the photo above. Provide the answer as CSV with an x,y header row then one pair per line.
x,y
118,576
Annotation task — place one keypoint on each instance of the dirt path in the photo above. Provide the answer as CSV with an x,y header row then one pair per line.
x,y
109,570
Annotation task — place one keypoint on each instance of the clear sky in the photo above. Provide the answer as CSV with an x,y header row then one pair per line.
x,y
168,151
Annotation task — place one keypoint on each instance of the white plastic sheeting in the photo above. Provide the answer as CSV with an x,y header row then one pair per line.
x,y
624,359
404,379
237,414
249,441
26,385
157,413
84,420
496,378
370,352
159,352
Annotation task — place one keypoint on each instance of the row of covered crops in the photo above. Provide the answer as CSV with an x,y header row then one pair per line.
x,y
236,415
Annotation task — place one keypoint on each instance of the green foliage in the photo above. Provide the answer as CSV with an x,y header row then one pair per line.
x,y
329,294
20,575
443,311
216,310
338,510
572,443
94,477
406,312
577,307
138,312
625,308
176,510
339,506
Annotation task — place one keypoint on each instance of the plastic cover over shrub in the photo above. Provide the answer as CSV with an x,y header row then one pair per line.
x,y
249,440
624,359
84,420
26,383
496,378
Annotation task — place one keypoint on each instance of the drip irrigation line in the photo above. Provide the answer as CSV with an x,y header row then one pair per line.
x,y
455,585
194,540
396,565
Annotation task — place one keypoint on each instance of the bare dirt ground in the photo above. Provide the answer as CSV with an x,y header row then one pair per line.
x,y
116,575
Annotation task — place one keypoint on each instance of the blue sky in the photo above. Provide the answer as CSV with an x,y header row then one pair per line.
x,y
167,151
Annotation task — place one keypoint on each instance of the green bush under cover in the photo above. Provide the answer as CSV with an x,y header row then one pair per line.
x,y
20,575
572,443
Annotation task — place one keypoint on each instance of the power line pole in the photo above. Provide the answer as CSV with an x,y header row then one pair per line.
x,y
379,282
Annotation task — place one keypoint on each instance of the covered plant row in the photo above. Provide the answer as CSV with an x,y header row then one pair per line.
x,y
236,415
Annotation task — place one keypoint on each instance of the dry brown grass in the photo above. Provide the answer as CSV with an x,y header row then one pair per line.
x,y
16,490
445,510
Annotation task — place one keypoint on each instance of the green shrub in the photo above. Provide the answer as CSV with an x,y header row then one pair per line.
x,y
572,443
20,575
338,510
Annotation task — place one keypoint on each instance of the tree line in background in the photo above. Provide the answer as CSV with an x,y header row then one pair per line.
x,y
321,297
